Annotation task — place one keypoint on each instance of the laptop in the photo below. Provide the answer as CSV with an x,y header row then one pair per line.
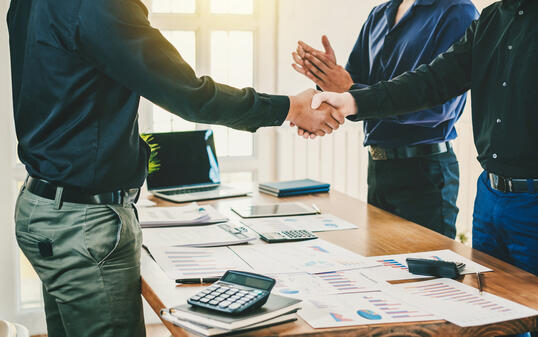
x,y
188,168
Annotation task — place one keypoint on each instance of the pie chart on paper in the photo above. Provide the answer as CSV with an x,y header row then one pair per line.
x,y
368,314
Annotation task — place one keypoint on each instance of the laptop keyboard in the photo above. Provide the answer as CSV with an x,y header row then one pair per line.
x,y
190,190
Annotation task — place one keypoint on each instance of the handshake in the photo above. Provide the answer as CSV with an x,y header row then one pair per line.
x,y
319,113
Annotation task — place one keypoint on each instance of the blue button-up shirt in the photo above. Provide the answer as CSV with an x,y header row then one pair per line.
x,y
384,51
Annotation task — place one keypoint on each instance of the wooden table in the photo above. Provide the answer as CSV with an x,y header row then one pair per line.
x,y
379,233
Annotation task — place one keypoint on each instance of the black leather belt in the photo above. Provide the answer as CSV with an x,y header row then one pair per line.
x,y
46,189
405,152
506,185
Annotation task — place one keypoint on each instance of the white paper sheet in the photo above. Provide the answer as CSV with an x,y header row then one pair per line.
x,y
182,263
313,223
303,285
312,256
207,236
192,214
359,309
394,267
459,303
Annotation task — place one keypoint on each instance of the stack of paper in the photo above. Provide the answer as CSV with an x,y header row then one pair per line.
x,y
190,215
277,310
225,234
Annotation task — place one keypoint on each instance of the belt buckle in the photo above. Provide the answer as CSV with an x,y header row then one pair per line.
x,y
501,184
378,153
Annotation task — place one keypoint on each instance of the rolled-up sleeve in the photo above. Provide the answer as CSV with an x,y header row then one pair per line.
x,y
117,38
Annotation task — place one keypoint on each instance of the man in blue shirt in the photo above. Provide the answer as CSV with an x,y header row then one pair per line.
x,y
412,170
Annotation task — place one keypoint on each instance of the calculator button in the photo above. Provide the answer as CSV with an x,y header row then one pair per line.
x,y
205,300
196,297
224,295
231,291
234,306
225,304
214,302
210,297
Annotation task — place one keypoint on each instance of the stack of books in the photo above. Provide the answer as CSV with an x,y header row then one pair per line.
x,y
278,309
294,187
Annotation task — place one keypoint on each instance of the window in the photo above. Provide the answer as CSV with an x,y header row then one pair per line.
x,y
222,39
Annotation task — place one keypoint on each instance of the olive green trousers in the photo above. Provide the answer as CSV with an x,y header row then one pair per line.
x,y
88,258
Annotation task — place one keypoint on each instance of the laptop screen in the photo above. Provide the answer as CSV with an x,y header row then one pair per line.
x,y
184,159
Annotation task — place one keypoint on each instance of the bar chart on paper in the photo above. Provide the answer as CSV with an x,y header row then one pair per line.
x,y
360,309
347,281
394,267
462,304
180,263
303,285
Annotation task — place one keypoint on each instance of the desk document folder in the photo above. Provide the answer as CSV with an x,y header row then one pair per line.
x,y
294,187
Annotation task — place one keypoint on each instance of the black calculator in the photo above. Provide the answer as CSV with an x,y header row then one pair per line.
x,y
236,292
287,236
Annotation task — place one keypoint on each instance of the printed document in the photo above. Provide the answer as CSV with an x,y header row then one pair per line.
x,y
313,223
360,309
208,236
185,263
394,267
459,303
190,215
312,256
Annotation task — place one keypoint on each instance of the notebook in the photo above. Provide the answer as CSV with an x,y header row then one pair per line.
x,y
212,331
294,187
274,307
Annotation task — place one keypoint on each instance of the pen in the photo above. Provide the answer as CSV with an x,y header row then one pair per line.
x,y
198,280
318,211
478,278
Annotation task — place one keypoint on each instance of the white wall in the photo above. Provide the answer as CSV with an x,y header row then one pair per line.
x,y
340,158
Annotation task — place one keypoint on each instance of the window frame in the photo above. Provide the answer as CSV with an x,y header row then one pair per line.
x,y
264,27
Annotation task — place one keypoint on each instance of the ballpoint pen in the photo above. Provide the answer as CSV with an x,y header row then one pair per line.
x,y
478,279
198,280
315,207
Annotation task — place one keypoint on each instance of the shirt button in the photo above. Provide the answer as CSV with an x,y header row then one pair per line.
x,y
505,84
510,47
520,12
494,156
499,121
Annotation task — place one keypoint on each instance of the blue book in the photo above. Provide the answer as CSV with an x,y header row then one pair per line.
x,y
294,187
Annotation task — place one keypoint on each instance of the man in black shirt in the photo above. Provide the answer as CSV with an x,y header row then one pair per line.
x,y
496,59
79,68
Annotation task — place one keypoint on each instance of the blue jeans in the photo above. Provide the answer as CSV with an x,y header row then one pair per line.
x,y
505,226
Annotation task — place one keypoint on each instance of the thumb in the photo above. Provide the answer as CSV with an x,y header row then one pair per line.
x,y
331,98
327,45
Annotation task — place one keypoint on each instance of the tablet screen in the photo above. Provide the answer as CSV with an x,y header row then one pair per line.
x,y
284,209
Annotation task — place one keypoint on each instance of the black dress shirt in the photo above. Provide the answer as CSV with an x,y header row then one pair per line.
x,y
79,68
497,59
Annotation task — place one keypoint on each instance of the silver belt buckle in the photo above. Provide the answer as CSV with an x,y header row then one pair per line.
x,y
377,153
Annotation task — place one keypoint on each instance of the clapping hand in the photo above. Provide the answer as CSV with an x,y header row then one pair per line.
x,y
321,67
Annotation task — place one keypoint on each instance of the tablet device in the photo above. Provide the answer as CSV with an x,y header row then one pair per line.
x,y
270,210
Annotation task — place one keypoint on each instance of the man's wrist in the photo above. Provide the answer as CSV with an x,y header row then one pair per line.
x,y
291,111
